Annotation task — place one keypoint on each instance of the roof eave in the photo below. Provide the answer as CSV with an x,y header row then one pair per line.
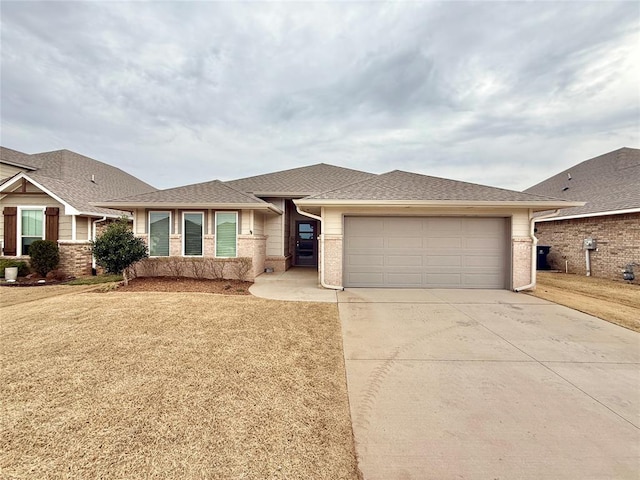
x,y
186,206
589,215
539,205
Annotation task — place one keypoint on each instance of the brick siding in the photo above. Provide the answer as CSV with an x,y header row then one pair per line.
x,y
617,237
75,258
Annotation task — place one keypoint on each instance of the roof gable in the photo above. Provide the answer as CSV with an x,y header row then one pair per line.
x,y
608,184
78,181
300,182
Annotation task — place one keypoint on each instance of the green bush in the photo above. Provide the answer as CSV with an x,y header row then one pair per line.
x,y
118,248
23,267
44,255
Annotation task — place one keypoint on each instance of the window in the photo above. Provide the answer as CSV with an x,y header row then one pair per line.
x,y
159,228
192,233
226,234
31,228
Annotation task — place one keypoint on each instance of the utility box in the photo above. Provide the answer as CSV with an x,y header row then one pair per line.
x,y
590,244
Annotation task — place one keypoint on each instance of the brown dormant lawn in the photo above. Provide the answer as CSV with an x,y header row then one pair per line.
x,y
616,302
171,385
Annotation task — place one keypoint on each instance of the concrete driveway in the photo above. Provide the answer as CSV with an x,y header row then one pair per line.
x,y
468,384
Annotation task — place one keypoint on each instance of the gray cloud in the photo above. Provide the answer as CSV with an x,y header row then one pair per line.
x,y
502,93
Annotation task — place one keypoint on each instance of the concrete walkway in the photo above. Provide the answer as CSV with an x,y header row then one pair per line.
x,y
298,284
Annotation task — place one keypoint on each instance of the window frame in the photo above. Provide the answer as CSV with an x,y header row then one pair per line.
x,y
168,234
184,233
19,235
215,223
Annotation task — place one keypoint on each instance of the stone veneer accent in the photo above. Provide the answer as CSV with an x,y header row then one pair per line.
x,y
332,259
75,257
617,237
521,261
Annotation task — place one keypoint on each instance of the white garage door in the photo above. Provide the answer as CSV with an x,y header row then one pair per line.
x,y
420,252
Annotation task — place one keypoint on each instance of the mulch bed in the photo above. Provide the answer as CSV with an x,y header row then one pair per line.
x,y
171,284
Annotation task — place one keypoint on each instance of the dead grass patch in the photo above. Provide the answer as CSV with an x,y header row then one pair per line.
x,y
181,385
615,302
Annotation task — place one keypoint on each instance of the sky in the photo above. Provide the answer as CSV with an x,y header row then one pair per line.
x,y
178,92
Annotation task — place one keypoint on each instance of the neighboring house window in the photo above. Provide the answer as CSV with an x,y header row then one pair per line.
x,y
226,234
31,228
159,228
192,231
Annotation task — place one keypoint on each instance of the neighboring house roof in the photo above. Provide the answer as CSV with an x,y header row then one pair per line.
x,y
200,195
609,184
15,159
300,182
398,187
77,181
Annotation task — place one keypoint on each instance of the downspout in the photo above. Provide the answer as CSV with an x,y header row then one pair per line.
x,y
534,249
319,219
93,237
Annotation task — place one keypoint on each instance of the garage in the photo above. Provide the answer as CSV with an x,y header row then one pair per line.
x,y
426,252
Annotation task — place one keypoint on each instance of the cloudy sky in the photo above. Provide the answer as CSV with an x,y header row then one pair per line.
x,y
499,93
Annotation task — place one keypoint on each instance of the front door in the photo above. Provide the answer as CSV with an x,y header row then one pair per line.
x,y
306,244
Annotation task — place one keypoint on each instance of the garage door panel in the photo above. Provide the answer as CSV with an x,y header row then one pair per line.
x,y
366,260
407,280
438,252
404,242
404,261
444,242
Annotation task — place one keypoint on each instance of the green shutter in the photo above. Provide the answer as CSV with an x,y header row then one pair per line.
x,y
226,234
192,232
159,234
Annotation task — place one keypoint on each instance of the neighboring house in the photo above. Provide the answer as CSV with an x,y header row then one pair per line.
x,y
358,229
49,196
610,186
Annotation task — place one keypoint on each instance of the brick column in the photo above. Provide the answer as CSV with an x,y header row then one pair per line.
x,y
521,261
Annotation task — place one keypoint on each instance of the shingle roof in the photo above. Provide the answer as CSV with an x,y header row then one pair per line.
x,y
68,175
398,186
15,158
608,183
208,193
300,182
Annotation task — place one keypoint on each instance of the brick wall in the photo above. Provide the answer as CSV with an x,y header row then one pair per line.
x,y
617,237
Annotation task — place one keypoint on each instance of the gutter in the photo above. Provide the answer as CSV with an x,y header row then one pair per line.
x,y
319,219
534,249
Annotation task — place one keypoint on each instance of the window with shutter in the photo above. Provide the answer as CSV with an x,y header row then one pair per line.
x,y
226,234
31,228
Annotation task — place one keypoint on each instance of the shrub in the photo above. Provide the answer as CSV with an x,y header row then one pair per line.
x,y
241,268
44,255
118,248
23,267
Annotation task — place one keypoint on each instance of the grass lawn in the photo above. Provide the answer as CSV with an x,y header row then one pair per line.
x,y
180,385
616,302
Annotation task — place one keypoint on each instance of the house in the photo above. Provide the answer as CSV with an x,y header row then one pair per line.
x,y
398,229
610,186
49,196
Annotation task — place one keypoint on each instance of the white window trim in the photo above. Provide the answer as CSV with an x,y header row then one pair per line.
x,y
215,223
19,225
149,231
184,235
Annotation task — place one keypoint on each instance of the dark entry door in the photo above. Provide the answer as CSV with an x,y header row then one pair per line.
x,y
306,244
